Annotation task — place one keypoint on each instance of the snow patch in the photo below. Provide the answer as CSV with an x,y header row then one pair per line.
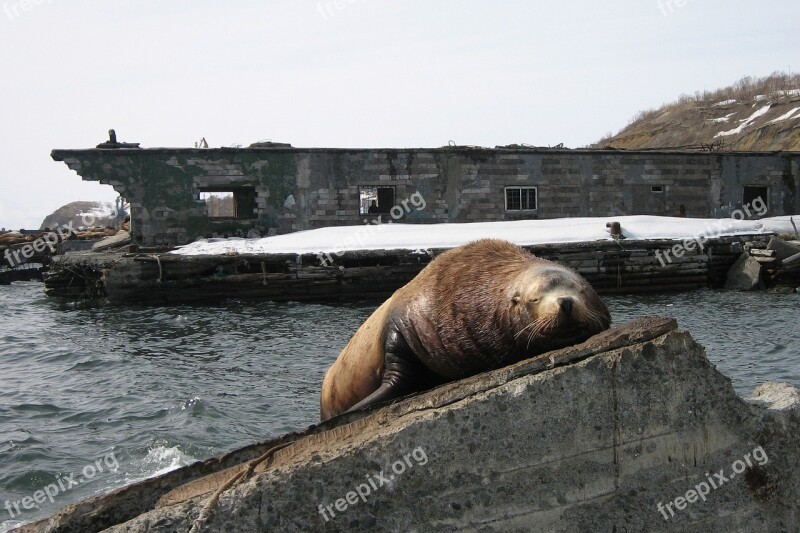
x,y
724,102
746,122
341,239
726,118
101,210
786,116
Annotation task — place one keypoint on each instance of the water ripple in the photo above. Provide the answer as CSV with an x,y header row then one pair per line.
x,y
163,387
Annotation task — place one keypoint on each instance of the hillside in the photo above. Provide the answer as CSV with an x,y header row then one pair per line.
x,y
753,114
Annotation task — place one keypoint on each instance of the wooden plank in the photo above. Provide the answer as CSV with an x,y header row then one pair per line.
x,y
758,252
791,260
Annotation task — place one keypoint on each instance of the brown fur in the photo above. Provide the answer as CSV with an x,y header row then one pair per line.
x,y
473,308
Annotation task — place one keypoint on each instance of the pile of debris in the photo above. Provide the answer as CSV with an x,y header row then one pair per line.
x,y
15,238
29,247
9,238
777,264
95,233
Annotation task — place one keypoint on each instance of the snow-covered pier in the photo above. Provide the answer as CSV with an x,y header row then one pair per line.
x,y
649,254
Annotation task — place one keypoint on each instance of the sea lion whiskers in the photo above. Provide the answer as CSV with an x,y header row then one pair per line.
x,y
542,325
520,332
534,332
595,318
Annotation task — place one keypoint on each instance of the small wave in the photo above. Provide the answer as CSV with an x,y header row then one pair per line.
x,y
8,525
41,408
195,406
159,460
88,365
190,410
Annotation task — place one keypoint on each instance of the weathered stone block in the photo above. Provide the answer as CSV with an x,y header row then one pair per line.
x,y
745,274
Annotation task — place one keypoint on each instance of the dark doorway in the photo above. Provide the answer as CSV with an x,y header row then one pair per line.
x,y
751,194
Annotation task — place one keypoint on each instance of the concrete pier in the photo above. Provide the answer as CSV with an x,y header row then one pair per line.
x,y
612,267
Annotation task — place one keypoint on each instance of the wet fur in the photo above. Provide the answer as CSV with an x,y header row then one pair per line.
x,y
472,309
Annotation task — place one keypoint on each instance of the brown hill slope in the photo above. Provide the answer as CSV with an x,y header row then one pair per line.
x,y
760,115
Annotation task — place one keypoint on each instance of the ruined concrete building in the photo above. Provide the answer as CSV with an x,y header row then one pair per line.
x,y
180,194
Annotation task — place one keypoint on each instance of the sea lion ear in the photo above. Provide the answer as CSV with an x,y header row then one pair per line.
x,y
516,298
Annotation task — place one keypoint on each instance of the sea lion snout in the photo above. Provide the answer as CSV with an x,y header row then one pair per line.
x,y
565,304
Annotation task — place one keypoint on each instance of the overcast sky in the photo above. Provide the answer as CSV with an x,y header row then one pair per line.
x,y
352,73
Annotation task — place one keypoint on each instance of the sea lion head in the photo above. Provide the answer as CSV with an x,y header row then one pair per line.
x,y
554,307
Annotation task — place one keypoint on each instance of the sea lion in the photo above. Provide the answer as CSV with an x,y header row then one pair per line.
x,y
474,308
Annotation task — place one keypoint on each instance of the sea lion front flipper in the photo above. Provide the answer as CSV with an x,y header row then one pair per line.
x,y
401,371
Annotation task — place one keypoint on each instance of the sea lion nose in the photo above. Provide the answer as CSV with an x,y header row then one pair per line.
x,y
565,304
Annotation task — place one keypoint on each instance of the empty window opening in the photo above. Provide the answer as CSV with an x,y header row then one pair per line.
x,y
220,204
521,199
753,195
375,200
657,188
238,203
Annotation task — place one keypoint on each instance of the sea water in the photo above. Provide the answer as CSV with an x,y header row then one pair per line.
x,y
126,393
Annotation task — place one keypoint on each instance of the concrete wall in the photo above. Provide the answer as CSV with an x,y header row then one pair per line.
x,y
297,189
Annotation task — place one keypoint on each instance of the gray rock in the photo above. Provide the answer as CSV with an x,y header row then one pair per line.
x,y
776,396
783,249
122,238
745,274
